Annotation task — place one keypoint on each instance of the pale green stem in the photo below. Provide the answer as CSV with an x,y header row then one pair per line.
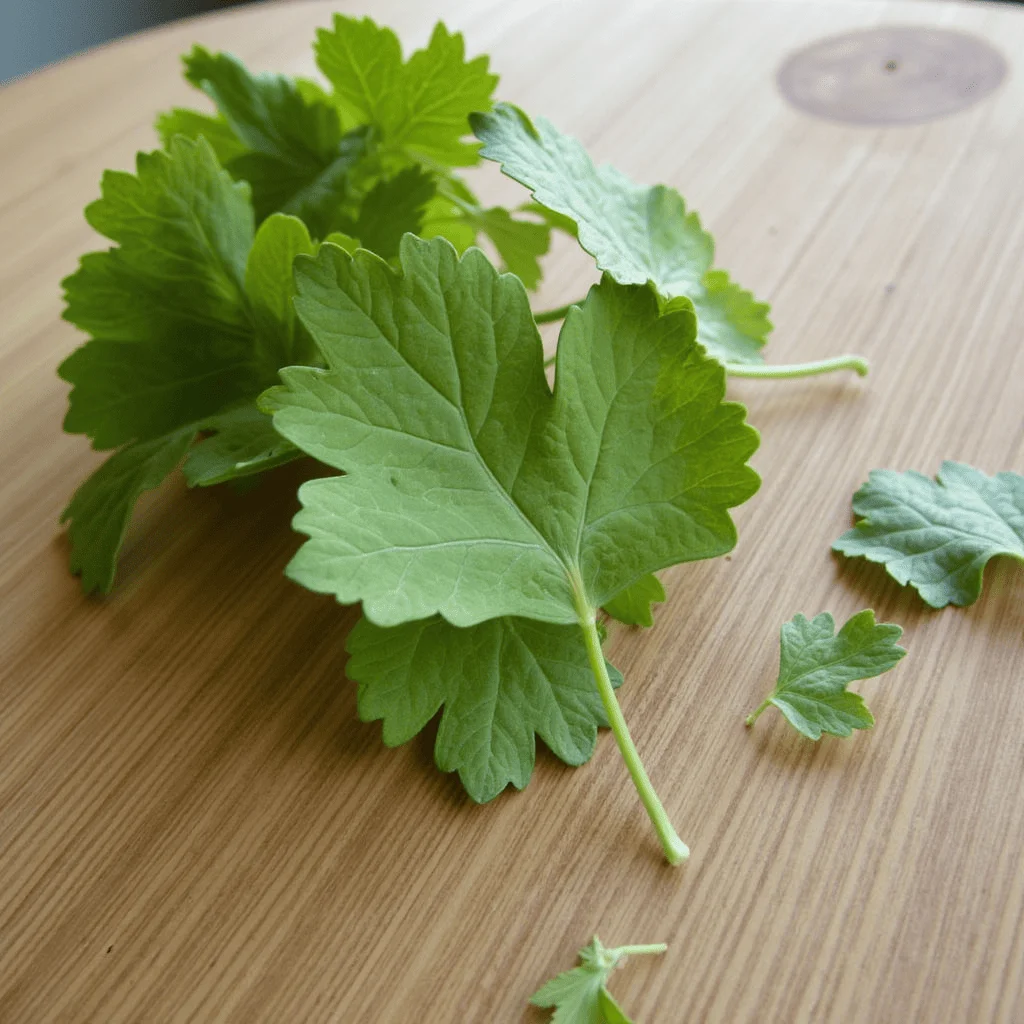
x,y
648,950
549,316
858,364
752,718
675,849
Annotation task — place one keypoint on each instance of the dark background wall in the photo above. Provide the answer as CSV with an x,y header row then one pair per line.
x,y
38,32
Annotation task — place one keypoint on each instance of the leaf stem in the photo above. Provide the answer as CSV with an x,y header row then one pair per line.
x,y
858,364
650,949
752,718
675,849
549,316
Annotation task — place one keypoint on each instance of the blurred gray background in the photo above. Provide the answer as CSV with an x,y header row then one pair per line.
x,y
34,33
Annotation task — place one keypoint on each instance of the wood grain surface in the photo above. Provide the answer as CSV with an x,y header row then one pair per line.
x,y
195,827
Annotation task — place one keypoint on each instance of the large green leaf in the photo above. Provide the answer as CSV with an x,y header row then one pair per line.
x,y
472,491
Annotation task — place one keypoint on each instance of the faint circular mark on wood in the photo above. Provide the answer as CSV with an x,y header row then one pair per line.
x,y
893,74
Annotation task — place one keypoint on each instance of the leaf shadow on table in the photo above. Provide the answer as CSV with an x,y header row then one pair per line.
x,y
207,567
998,612
773,403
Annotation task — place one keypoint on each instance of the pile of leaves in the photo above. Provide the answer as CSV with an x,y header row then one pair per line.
x,y
295,274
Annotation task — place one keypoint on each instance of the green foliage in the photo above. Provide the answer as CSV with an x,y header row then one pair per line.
x,y
816,665
581,996
472,491
420,108
294,153
938,535
634,605
499,682
190,317
99,512
636,234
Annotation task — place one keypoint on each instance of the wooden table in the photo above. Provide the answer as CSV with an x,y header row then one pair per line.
x,y
195,827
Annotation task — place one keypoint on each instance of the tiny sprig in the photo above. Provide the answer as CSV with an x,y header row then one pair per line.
x,y
580,995
816,665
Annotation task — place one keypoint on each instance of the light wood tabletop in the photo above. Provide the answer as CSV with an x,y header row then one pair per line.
x,y
194,825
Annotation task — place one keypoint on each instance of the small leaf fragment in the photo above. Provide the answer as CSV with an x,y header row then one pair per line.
x,y
938,535
634,605
816,665
580,995
243,443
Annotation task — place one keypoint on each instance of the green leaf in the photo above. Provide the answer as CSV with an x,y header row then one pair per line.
x,y
637,234
191,318
499,682
633,606
472,491
184,229
420,109
443,218
295,157
554,220
270,287
242,444
938,535
391,208
192,124
101,508
581,996
167,308
520,243
816,665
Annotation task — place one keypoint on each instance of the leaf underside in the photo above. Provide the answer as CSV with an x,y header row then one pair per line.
x,y
816,664
938,535
472,491
500,683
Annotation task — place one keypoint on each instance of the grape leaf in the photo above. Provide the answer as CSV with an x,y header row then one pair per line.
x,y
472,491
938,535
296,157
191,317
581,996
499,682
634,605
816,665
637,234
419,109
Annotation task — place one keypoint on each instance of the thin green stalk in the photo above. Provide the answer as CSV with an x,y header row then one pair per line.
x,y
675,849
752,718
651,949
549,316
858,364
